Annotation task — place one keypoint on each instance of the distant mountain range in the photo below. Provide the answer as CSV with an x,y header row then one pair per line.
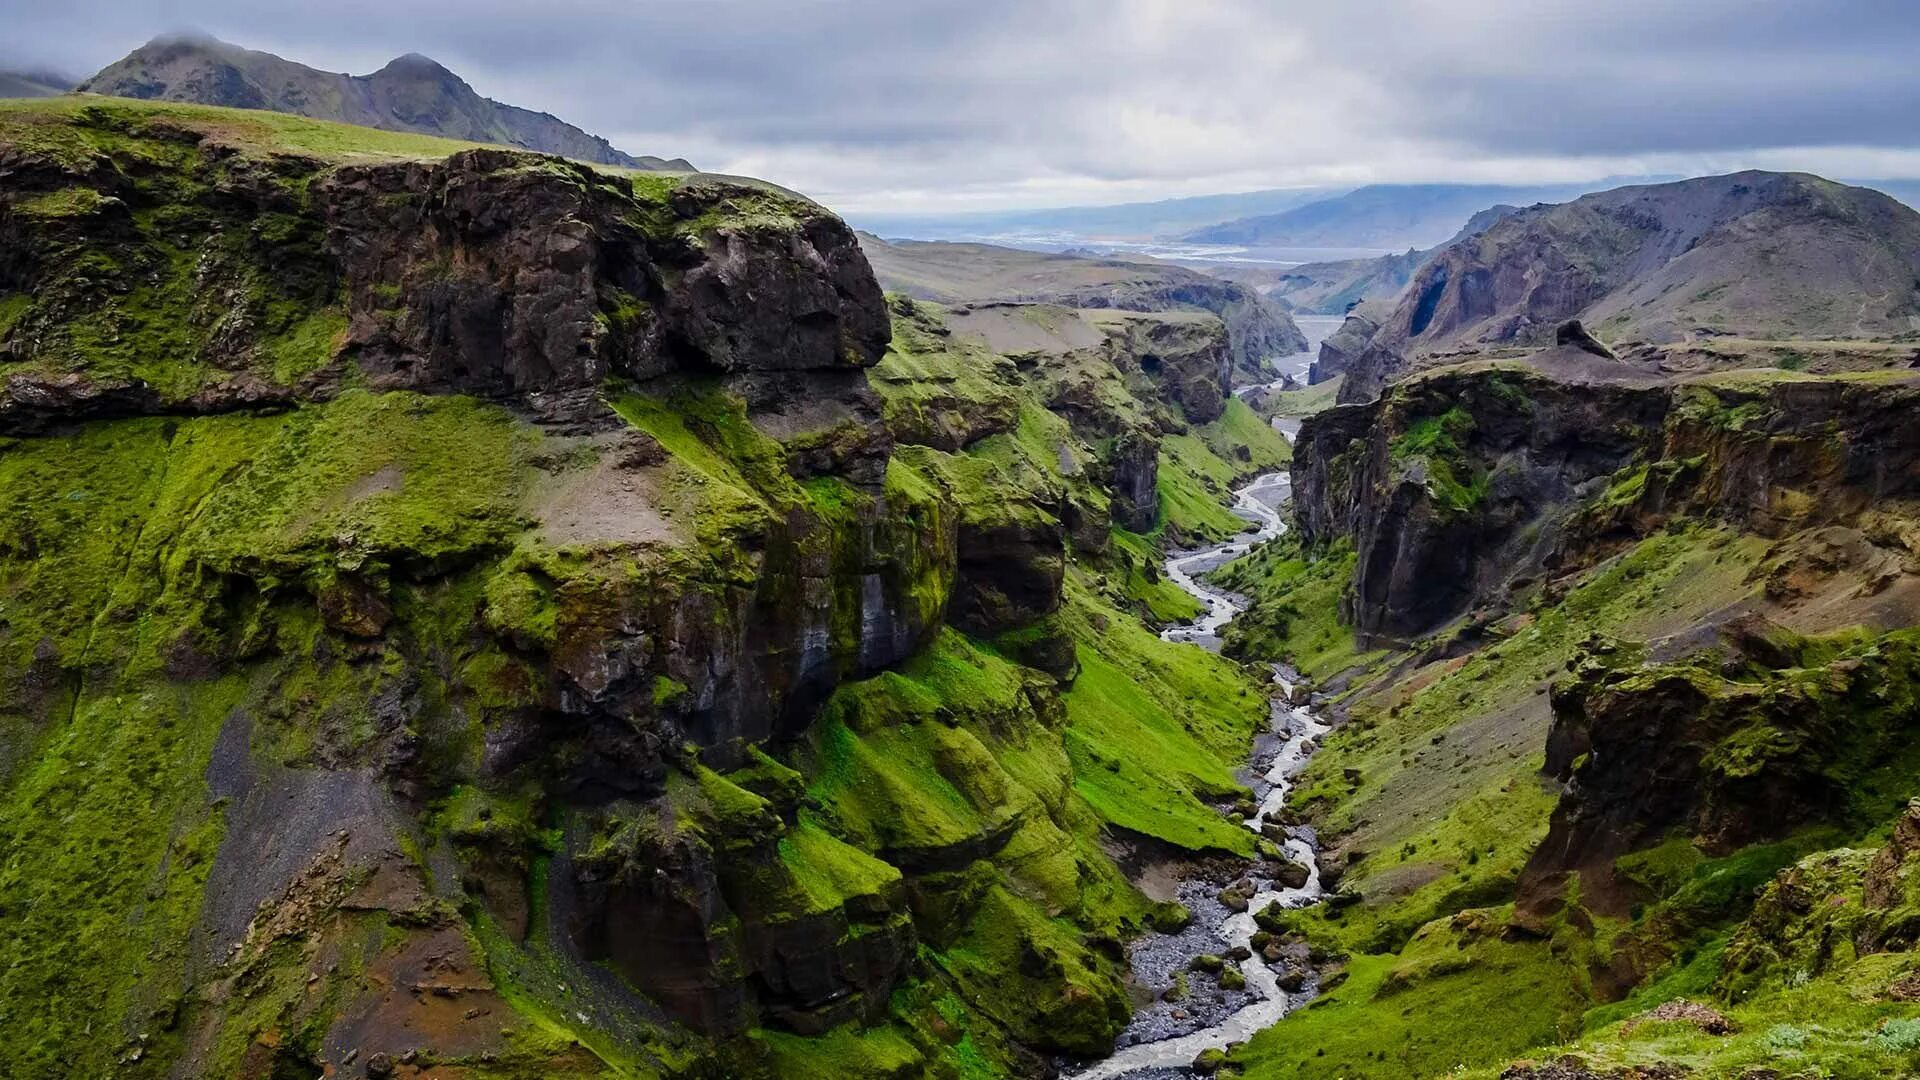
x,y
31,84
1123,221
1330,288
413,94
1391,216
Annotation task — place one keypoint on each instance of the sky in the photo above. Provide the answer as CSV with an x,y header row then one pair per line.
x,y
903,106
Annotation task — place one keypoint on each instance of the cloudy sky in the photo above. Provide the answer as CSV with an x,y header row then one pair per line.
x,y
909,105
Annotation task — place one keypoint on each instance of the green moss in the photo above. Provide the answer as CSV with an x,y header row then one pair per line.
x,y
1245,440
1439,442
1452,999
828,871
883,1053
1156,730
1193,486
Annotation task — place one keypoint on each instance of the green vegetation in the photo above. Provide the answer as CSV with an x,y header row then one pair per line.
x,y
70,127
1294,607
1302,403
1438,443
1242,438
1457,995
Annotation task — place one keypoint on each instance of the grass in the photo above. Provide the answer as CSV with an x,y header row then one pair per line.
x,y
1244,440
1452,999
1303,403
1156,730
73,126
1293,612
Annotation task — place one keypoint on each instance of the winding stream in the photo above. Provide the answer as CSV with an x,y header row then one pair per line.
x,y
1298,731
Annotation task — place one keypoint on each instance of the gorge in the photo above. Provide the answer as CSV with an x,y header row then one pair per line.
x,y
481,610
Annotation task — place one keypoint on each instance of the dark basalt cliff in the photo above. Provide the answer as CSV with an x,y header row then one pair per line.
x,y
489,273
1461,485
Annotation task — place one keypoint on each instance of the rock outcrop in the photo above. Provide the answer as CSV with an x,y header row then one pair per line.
x,y
1344,346
488,273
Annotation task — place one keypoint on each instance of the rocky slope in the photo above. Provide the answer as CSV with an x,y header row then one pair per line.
x,y
412,94
467,613
1754,255
971,273
1343,348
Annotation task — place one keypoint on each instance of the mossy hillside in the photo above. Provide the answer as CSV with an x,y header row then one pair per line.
x,y
1695,898
953,767
1244,439
939,391
1135,582
141,552
116,577
1193,489
1805,973
1425,1012
1294,597
1442,765
182,284
1157,729
76,130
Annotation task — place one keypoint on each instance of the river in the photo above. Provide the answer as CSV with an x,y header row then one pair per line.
x,y
1165,1037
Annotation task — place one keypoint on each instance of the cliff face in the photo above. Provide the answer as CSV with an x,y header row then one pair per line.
x,y
487,273
1770,742
1463,484
1342,348
478,614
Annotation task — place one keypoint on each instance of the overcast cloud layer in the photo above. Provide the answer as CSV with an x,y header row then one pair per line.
x,y
884,105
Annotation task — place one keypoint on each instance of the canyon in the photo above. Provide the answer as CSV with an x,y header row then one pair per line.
x,y
468,612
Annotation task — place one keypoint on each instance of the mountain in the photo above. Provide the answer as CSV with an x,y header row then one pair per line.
x,y
32,84
1122,221
951,273
412,94
1751,254
1907,191
1395,216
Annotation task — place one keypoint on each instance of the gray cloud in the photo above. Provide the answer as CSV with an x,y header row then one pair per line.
x,y
891,105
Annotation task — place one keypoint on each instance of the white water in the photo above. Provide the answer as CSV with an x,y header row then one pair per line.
x,y
1302,731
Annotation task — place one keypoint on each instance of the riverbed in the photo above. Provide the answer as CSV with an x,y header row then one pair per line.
x,y
1165,1036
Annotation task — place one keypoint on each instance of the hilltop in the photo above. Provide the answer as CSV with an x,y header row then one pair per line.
x,y
412,93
